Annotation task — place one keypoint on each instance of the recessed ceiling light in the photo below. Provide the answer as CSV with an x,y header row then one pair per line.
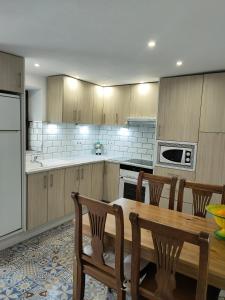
x,y
151,44
179,63
37,65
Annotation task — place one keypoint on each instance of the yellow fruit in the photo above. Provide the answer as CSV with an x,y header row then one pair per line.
x,y
221,212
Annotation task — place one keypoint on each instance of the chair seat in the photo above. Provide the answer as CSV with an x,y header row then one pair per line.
x,y
185,287
109,258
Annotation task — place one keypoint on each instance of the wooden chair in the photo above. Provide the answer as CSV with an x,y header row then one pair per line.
x,y
164,283
93,263
202,195
156,184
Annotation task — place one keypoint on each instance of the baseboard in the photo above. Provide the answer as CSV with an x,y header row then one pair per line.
x,y
25,235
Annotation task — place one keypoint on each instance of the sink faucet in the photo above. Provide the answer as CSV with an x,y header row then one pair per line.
x,y
35,160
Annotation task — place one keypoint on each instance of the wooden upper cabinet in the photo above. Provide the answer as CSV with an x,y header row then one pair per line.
x,y
12,73
179,108
116,108
84,91
97,114
213,103
70,99
210,159
144,100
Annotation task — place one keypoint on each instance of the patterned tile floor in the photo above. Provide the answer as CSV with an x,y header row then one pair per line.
x,y
41,268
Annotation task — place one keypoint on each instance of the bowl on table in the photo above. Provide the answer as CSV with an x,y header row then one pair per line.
x,y
218,211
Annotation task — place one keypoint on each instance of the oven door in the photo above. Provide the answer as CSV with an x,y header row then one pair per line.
x,y
128,187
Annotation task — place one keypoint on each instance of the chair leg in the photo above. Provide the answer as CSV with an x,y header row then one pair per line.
x,y
121,295
80,285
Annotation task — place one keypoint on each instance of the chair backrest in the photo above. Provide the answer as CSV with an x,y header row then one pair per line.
x,y
168,243
202,195
98,212
156,184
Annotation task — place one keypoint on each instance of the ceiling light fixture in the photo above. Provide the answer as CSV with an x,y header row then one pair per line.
x,y
37,65
179,63
151,44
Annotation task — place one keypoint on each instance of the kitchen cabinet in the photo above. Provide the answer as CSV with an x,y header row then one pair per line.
x,y
97,181
213,103
61,99
179,108
116,107
55,194
79,179
37,199
84,91
72,180
144,100
69,100
210,158
98,99
111,181
180,174
85,176
12,73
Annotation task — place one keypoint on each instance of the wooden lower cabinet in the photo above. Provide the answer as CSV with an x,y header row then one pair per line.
x,y
71,185
37,196
85,180
111,181
56,194
169,172
97,181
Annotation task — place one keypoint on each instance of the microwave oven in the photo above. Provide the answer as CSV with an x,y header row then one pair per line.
x,y
178,155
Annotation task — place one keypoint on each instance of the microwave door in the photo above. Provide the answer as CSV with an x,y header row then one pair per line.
x,y
172,155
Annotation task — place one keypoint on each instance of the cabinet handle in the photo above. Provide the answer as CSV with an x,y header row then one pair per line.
x,y
117,118
159,127
74,115
82,174
103,119
51,180
20,80
79,116
78,174
45,182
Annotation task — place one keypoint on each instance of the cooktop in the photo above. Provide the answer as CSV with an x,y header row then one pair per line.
x,y
140,162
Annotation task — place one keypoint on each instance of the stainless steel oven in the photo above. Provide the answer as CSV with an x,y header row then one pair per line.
x,y
128,182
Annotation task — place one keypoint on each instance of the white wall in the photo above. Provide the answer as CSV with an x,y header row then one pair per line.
x,y
37,88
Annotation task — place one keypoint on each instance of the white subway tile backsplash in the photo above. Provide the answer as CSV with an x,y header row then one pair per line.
x,y
65,140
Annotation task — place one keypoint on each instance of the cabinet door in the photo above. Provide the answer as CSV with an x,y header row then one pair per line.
x,y
111,182
122,95
144,100
85,102
55,194
70,87
37,196
85,180
109,107
12,73
210,159
98,99
71,185
179,108
213,104
55,92
97,181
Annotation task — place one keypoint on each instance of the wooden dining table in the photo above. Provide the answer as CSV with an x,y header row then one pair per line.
x,y
189,258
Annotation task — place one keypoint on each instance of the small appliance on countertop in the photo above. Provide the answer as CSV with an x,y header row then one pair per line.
x,y
98,148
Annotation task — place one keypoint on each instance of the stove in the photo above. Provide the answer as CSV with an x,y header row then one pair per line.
x,y
141,162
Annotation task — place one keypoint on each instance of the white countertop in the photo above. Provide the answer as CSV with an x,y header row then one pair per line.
x,y
50,164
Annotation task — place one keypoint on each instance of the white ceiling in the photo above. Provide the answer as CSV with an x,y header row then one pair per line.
x,y
105,41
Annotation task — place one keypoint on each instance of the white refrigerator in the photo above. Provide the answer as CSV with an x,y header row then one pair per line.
x,y
10,164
